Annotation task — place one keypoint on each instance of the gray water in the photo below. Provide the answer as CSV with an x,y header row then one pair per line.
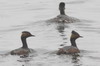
x,y
32,15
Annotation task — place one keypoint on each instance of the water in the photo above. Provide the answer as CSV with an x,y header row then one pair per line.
x,y
28,15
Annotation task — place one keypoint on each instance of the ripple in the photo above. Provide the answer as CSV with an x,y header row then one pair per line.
x,y
77,2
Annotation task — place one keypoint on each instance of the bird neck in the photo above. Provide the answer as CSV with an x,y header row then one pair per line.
x,y
62,12
73,43
24,42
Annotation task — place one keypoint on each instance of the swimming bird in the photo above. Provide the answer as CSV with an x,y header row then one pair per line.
x,y
62,8
24,50
70,49
63,17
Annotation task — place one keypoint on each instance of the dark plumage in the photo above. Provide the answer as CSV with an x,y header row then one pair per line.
x,y
63,17
24,50
70,49
62,8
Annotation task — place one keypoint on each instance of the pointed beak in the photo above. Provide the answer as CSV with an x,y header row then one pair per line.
x,y
33,35
81,36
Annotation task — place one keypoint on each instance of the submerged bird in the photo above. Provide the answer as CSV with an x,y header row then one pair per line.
x,y
70,49
63,17
24,50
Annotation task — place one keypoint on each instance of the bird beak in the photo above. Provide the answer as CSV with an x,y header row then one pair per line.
x,y
81,36
33,35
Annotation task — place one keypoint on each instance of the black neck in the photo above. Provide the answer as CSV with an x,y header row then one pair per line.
x,y
62,12
24,42
73,43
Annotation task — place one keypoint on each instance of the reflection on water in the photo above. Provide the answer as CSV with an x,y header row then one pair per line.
x,y
76,60
48,57
49,36
61,26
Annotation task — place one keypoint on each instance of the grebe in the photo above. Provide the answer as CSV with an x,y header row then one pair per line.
x,y
70,49
24,50
63,16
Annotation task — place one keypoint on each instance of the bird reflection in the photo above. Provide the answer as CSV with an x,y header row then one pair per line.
x,y
61,25
76,60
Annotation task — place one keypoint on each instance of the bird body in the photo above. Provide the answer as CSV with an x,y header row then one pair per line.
x,y
70,49
20,51
24,50
63,17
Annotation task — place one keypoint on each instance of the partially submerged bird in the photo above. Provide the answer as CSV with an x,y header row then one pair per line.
x,y
24,50
70,49
63,17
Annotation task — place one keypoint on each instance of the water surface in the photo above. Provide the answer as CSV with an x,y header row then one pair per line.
x,y
28,15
